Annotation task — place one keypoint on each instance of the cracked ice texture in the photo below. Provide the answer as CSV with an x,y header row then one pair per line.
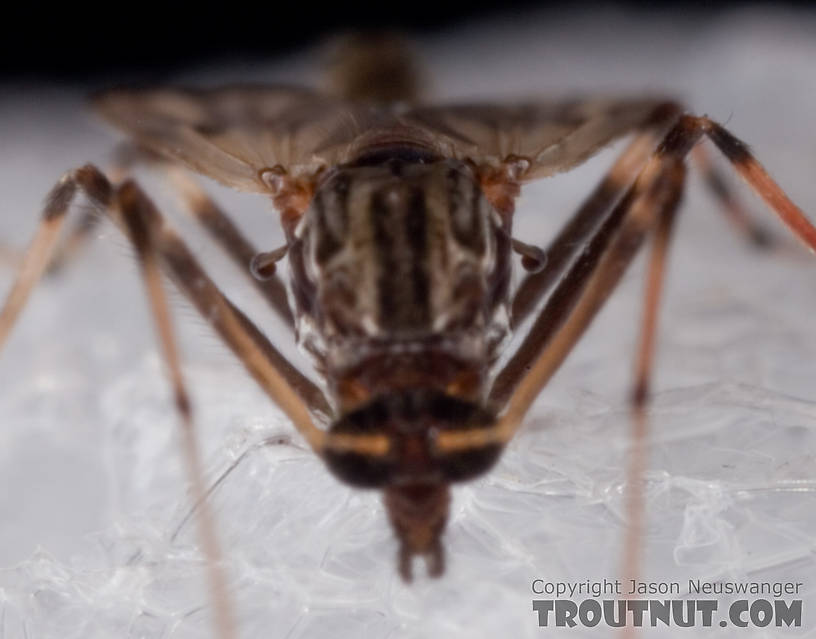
x,y
95,537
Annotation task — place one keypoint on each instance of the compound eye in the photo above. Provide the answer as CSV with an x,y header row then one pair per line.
x,y
358,452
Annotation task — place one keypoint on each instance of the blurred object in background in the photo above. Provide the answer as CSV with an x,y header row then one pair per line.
x,y
373,66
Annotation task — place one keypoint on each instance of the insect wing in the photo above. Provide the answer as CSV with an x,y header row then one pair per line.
x,y
231,133
553,136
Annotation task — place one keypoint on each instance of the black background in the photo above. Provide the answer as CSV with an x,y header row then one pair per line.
x,y
76,43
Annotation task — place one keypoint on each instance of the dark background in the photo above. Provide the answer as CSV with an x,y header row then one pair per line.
x,y
71,42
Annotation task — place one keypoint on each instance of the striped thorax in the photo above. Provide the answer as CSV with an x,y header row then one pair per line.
x,y
400,277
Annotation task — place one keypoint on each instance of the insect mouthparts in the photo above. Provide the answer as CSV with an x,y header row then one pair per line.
x,y
392,442
418,514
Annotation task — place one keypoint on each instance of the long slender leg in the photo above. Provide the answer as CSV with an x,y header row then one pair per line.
x,y
635,511
647,195
730,204
638,456
677,144
142,222
564,297
229,237
77,239
203,208
558,306
81,232
654,289
577,231
291,391
264,362
581,233
758,179
137,214
36,258
581,226
98,189
276,376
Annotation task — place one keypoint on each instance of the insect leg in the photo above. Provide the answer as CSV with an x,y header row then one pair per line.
x,y
76,240
638,456
654,286
758,179
730,204
581,226
583,223
289,389
140,221
588,284
229,237
652,185
588,232
213,218
81,231
558,306
96,187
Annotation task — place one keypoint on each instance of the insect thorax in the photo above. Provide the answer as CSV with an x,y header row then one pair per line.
x,y
400,274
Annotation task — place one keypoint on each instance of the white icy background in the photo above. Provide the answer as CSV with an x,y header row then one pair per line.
x,y
91,484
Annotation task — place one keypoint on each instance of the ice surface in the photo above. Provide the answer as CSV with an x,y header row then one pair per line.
x,y
95,537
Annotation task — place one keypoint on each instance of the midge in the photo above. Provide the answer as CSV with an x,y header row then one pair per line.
x,y
398,223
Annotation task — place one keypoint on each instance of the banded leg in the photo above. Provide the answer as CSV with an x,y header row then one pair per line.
x,y
582,233
635,214
293,393
229,237
638,456
580,227
128,208
203,208
77,239
676,175
585,221
290,390
730,205
89,181
288,387
80,233
138,218
212,217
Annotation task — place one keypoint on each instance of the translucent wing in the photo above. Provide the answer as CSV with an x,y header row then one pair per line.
x,y
554,136
232,133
